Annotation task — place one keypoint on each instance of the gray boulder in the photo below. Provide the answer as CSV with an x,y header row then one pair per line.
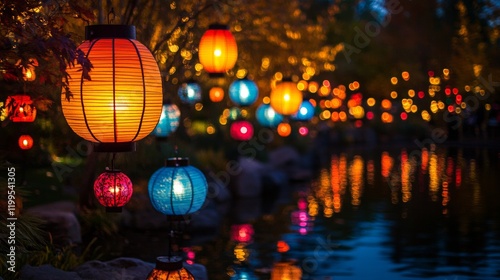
x,y
60,220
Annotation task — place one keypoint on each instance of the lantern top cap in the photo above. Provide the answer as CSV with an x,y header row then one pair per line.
x,y
287,79
112,170
177,162
169,263
218,26
102,31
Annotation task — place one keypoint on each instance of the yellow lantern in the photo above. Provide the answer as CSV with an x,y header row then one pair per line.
x,y
285,271
216,94
284,129
286,98
122,101
218,51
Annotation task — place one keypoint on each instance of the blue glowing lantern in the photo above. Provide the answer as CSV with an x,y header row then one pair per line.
x,y
243,92
267,117
169,121
305,112
190,92
178,188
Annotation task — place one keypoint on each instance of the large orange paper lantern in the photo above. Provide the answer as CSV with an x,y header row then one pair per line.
x,y
286,98
218,51
122,101
25,142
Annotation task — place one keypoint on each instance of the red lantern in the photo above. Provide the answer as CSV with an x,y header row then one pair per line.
x,y
241,130
25,142
113,189
21,108
218,51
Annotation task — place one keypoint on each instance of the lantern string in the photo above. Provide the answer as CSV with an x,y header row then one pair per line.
x,y
111,15
113,161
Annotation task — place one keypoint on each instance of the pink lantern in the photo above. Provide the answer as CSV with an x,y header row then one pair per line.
x,y
242,233
241,130
113,189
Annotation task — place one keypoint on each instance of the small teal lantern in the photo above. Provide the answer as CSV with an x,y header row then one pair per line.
x,y
190,92
169,121
305,112
234,113
267,117
243,92
178,188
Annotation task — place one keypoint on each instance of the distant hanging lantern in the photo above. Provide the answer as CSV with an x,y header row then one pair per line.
x,y
286,97
121,103
286,270
267,117
218,51
305,112
241,130
216,94
169,268
169,121
21,108
242,233
178,188
190,92
284,129
25,142
234,113
243,92
113,189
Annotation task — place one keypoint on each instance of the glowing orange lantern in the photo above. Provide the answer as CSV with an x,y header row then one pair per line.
x,y
169,268
286,270
216,94
284,129
21,108
25,142
122,102
218,51
286,98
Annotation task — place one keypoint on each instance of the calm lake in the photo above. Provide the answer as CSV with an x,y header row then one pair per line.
x,y
399,213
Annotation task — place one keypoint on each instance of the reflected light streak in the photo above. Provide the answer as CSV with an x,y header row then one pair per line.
x,y
356,174
433,176
335,181
405,177
387,163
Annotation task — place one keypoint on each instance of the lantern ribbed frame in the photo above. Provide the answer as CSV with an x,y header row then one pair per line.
x,y
218,51
169,120
241,130
169,268
267,116
113,189
178,188
122,101
243,92
305,112
25,142
286,97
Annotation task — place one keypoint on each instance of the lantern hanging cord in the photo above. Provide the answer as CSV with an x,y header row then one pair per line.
x,y
111,15
113,161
